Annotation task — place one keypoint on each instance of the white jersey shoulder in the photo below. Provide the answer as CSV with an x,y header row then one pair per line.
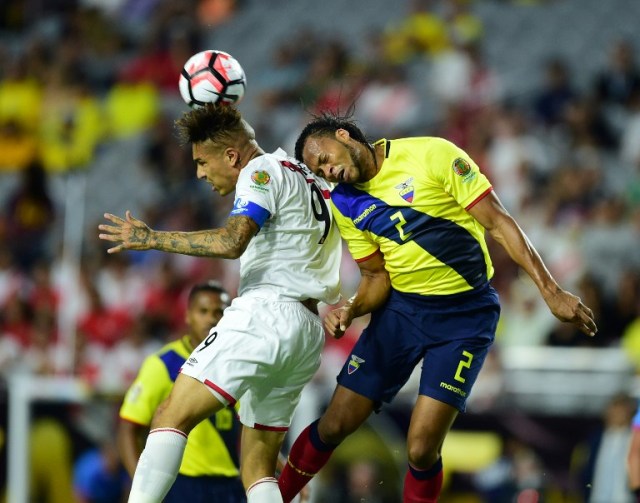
x,y
296,254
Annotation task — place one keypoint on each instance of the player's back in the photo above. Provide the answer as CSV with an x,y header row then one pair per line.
x,y
296,254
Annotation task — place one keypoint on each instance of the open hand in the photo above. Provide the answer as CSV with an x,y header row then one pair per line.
x,y
567,307
130,233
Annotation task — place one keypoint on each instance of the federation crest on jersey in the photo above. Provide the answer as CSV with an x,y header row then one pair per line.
x,y
406,190
354,364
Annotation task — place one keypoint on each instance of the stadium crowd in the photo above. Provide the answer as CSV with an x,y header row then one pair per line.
x,y
74,84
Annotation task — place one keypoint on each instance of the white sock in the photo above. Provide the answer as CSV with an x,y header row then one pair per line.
x,y
264,490
158,465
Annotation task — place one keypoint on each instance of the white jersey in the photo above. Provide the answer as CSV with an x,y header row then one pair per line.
x,y
296,254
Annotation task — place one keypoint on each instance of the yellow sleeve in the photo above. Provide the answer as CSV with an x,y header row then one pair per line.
x,y
359,244
150,388
458,173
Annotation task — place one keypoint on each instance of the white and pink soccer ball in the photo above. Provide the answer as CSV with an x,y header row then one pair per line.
x,y
210,77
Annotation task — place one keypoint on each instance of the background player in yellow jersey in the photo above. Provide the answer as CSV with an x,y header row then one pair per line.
x,y
417,209
209,469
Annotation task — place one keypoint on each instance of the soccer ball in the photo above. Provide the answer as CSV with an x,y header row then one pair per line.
x,y
212,76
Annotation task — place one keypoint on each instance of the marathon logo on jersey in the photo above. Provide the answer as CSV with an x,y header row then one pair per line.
x,y
406,190
364,214
191,361
462,168
354,364
239,206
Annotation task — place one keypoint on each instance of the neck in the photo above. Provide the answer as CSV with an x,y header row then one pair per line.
x,y
375,156
190,342
253,150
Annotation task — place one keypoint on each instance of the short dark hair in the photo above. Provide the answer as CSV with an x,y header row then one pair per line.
x,y
326,124
216,122
210,286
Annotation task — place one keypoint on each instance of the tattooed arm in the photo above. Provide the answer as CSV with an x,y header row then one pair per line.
x,y
133,234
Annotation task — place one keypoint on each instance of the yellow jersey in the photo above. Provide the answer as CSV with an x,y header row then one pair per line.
x,y
213,444
414,211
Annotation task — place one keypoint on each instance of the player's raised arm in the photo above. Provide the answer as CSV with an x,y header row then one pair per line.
x,y
503,228
133,234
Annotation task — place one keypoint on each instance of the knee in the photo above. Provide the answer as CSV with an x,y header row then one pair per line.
x,y
423,453
334,427
168,415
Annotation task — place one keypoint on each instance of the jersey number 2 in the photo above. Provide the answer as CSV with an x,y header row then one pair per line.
x,y
400,225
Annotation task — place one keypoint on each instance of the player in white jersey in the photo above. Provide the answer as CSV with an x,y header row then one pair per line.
x,y
267,345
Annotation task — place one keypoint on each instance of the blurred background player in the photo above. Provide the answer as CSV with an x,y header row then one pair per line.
x,y
209,469
633,457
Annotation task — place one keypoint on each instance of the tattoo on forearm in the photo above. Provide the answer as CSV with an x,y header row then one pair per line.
x,y
226,242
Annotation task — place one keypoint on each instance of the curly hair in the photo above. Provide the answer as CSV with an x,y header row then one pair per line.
x,y
222,124
327,124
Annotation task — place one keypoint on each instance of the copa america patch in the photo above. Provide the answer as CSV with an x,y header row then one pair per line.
x,y
260,177
461,167
354,364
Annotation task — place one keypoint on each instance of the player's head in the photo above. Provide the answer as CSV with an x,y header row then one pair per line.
x,y
222,143
205,305
335,148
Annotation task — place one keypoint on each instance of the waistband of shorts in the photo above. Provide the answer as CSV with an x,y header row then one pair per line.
x,y
311,305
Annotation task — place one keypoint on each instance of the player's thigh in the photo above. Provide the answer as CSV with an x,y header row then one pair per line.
x,y
189,402
259,453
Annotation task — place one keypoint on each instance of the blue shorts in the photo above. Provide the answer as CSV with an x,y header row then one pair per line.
x,y
206,490
451,334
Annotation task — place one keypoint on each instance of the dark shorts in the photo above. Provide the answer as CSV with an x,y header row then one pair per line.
x,y
206,490
451,334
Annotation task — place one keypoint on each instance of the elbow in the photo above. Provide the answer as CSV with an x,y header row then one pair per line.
x,y
236,250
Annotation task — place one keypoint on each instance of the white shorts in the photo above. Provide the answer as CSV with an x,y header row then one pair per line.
x,y
262,353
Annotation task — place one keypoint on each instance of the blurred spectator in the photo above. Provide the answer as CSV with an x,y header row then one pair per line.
x,y
422,33
28,218
131,107
51,458
101,324
518,475
605,474
99,477
621,79
633,457
18,147
20,94
555,93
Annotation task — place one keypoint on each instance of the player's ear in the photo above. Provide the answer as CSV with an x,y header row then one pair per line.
x,y
232,156
342,135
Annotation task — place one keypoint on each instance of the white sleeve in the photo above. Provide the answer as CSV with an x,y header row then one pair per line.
x,y
257,190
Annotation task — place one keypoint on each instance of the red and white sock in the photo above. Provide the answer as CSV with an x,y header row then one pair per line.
x,y
264,491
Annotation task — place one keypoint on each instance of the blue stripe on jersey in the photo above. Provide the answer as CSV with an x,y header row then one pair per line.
x,y
173,361
445,240
250,209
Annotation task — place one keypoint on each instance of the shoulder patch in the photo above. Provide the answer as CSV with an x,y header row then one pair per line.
x,y
260,177
461,167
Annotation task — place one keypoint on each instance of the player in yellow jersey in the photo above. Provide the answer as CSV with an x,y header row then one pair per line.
x,y
417,209
209,469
